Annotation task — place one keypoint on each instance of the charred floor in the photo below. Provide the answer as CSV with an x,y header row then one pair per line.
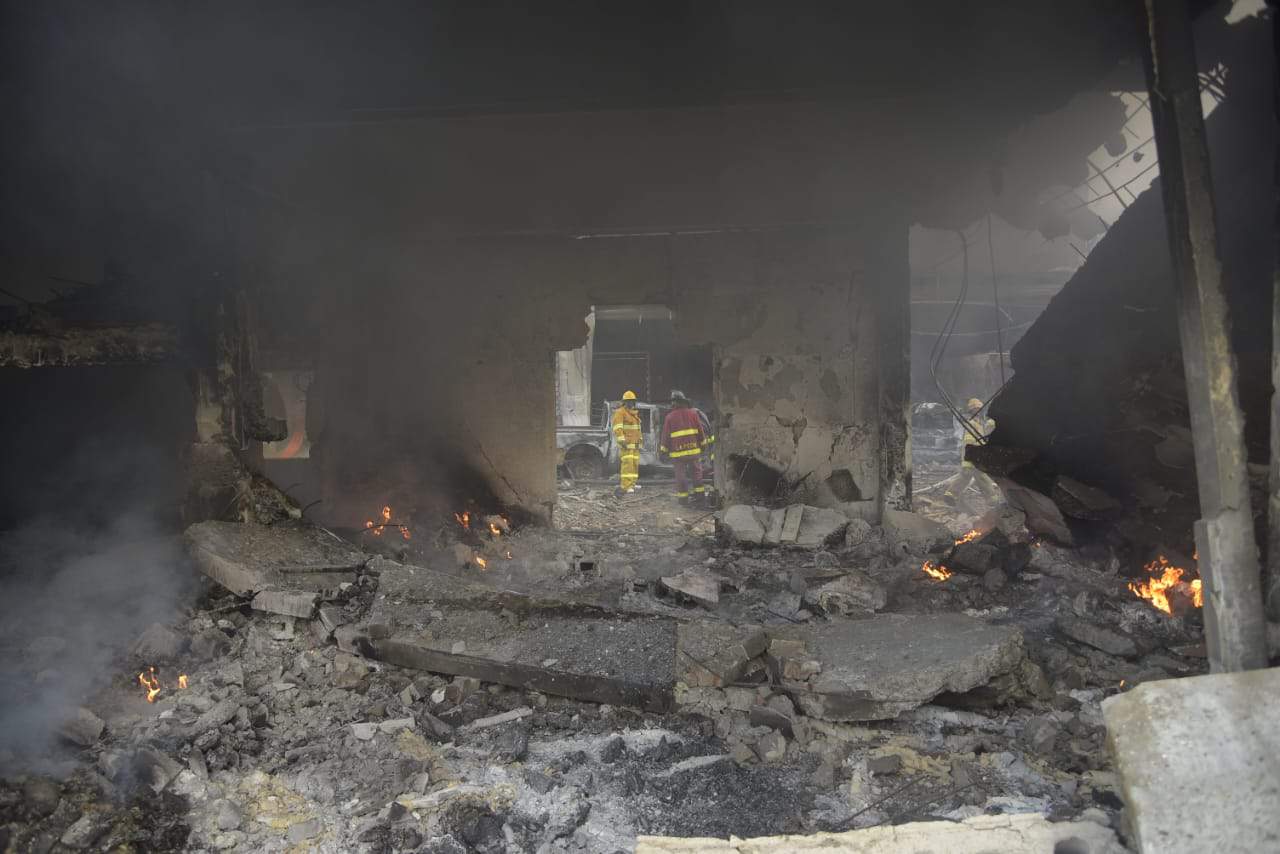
x,y
691,428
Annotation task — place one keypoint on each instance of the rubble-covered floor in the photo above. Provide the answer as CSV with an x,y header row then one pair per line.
x,y
283,741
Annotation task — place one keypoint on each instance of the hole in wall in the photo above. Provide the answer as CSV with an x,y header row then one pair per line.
x,y
843,486
754,479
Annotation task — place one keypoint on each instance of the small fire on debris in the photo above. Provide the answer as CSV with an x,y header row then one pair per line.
x,y
377,528
481,562
1156,589
464,519
937,572
151,683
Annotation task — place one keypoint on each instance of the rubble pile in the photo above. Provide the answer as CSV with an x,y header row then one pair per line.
x,y
591,691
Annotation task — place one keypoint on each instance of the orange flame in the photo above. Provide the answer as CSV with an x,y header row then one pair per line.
x,y
937,572
182,681
464,519
481,562
495,530
508,555
969,536
1156,589
149,682
377,528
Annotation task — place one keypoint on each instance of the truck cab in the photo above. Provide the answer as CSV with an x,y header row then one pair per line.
x,y
589,453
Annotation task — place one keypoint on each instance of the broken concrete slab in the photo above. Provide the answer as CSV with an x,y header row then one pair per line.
x,y
1081,501
1214,735
744,525
874,669
248,558
798,525
1043,516
773,529
818,526
1009,521
911,533
792,517
1025,833
559,647
1112,641
852,594
713,655
701,587
974,558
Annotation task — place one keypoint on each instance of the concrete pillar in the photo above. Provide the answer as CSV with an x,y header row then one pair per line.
x,y
1235,629
792,322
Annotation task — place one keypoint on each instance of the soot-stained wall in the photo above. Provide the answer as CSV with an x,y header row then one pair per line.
x,y
436,382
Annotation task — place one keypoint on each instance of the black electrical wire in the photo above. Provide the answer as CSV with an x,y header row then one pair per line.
x,y
939,348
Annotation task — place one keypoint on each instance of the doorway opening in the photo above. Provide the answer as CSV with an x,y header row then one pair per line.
x,y
628,348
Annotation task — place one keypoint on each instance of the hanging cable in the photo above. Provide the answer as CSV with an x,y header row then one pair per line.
x,y
995,298
939,348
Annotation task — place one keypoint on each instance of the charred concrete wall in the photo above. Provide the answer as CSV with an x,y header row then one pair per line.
x,y
436,384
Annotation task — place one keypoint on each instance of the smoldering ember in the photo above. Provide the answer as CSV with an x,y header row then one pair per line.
x,y
669,428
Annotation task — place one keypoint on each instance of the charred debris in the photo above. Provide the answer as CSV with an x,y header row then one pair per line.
x,y
344,509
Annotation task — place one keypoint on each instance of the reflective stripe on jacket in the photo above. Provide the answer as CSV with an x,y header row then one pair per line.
x,y
682,434
626,428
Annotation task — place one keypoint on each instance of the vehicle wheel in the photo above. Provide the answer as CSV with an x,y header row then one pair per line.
x,y
584,463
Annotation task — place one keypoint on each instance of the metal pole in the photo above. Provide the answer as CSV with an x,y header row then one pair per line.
x,y
1235,628
1272,583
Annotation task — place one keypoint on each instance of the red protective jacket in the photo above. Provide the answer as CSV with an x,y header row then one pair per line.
x,y
682,434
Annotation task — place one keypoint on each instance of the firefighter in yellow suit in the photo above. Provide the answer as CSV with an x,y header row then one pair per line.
x,y
626,434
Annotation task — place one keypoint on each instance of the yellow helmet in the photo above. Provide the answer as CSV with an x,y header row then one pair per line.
x,y
974,404
628,395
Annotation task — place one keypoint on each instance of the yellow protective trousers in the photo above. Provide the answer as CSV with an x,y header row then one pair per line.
x,y
626,433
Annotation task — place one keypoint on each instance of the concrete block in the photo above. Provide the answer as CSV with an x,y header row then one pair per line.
x,y
911,533
1108,640
817,526
287,603
854,593
1214,736
791,518
159,644
1043,516
742,524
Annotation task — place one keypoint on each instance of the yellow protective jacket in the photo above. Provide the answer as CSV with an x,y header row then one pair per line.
x,y
626,428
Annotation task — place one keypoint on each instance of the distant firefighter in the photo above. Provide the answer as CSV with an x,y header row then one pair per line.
x,y
970,476
683,439
626,435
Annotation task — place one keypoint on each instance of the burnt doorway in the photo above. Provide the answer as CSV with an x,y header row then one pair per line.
x,y
629,348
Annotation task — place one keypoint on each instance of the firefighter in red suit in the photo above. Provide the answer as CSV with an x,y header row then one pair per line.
x,y
683,439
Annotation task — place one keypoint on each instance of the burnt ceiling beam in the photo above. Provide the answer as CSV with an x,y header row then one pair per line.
x,y
72,347
1235,628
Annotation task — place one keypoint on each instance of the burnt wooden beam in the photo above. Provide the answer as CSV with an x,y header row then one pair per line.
x,y
71,347
1235,628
